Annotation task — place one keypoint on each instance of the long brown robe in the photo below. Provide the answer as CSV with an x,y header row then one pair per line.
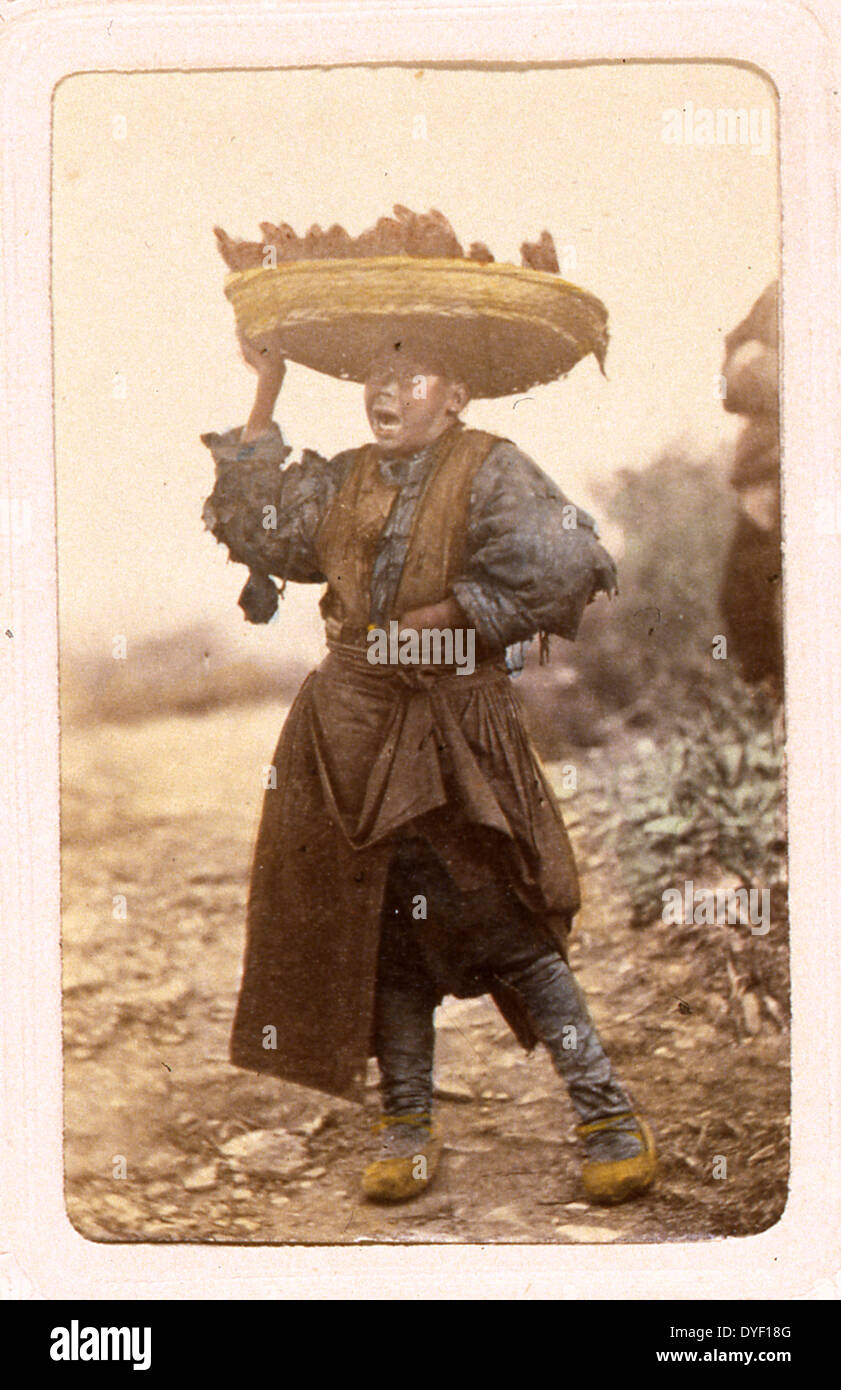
x,y
369,753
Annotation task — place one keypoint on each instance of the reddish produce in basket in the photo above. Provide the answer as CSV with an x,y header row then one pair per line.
x,y
540,255
427,235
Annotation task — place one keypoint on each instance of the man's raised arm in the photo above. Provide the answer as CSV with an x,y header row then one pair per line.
x,y
270,367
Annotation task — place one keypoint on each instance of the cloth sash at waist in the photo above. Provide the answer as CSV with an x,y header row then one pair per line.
x,y
394,743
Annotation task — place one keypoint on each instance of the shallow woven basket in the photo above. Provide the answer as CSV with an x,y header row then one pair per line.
x,y
507,328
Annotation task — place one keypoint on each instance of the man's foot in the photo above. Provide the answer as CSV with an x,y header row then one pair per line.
x,y
621,1158
409,1150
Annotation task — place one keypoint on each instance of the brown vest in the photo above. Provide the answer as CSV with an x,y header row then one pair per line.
x,y
349,534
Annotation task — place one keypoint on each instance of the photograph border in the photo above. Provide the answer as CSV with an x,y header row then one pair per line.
x,y
41,1254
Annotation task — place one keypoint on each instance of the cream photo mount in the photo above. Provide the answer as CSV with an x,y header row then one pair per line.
x,y
799,50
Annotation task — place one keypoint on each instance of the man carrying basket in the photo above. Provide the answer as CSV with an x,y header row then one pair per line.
x,y
412,847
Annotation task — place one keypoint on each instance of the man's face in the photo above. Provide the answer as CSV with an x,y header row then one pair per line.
x,y
409,404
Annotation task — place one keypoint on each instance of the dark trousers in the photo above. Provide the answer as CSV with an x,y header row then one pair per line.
x,y
462,945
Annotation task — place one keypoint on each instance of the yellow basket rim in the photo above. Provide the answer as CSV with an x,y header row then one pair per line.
x,y
450,265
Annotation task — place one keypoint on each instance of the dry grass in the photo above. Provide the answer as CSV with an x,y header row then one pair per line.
x,y
189,672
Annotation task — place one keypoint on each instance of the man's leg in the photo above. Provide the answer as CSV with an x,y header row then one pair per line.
x,y
404,1040
562,1021
404,1044
619,1144
510,946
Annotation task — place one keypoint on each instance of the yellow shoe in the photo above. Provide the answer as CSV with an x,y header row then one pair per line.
x,y
409,1152
611,1174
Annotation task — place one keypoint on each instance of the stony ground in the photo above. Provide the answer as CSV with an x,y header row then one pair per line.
x,y
165,1141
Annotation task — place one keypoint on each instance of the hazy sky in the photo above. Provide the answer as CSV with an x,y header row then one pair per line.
x,y
677,239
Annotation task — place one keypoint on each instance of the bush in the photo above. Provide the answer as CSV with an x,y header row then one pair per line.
x,y
655,639
707,803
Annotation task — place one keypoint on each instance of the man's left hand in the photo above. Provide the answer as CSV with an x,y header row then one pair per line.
x,y
445,614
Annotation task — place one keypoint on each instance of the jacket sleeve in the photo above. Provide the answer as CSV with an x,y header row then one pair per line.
x,y
533,560
266,514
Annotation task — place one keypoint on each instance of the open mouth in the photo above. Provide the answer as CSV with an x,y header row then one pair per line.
x,y
385,420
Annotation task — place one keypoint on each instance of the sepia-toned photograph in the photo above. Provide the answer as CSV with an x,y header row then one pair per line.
x,y
424,872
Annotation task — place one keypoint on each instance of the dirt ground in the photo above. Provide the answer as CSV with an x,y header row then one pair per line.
x,y
166,1141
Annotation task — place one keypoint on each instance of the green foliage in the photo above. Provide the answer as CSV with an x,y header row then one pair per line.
x,y
708,801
